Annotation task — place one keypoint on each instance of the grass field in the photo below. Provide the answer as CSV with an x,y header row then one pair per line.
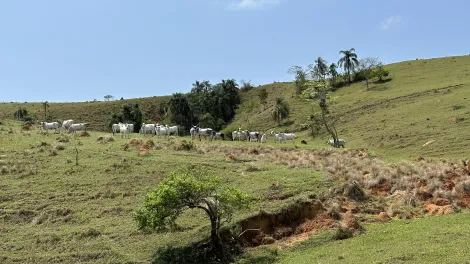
x,y
424,100
52,211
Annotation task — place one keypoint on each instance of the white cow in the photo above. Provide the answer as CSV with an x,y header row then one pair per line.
x,y
172,130
236,135
125,130
276,136
263,138
252,136
161,130
66,124
341,142
205,132
131,127
115,128
80,126
148,129
193,132
53,125
286,136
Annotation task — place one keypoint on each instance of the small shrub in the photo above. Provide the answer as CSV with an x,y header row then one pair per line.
x,y
84,134
267,240
53,152
342,233
59,147
184,145
4,170
63,139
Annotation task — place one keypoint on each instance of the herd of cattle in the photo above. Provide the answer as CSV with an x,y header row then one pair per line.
x,y
127,129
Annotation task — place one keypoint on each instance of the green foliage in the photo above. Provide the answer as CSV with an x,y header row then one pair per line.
x,y
130,113
281,110
21,114
320,70
246,86
348,62
263,96
190,189
206,104
300,78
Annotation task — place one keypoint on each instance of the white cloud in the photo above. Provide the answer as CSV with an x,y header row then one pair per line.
x,y
391,21
252,4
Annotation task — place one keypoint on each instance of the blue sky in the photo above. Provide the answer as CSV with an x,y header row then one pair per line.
x,y
60,50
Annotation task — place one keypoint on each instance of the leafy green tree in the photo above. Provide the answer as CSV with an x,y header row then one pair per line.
x,y
281,110
186,189
333,73
180,110
46,106
380,73
348,62
320,69
108,97
20,114
130,113
300,78
246,85
263,96
319,92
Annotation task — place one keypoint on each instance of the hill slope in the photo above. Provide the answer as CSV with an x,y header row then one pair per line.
x,y
425,100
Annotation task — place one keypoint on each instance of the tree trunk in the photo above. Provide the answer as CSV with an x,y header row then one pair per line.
x,y
367,84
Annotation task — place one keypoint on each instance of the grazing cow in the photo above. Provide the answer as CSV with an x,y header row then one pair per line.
x,y
148,129
276,136
286,136
205,132
80,126
193,132
236,135
115,128
161,131
125,130
218,135
172,130
263,138
66,124
252,136
53,125
340,142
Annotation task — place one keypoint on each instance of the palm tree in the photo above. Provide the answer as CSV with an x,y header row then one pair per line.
x,y
321,69
45,105
348,62
281,110
334,73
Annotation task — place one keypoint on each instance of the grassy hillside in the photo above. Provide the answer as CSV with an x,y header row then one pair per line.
x,y
95,113
425,100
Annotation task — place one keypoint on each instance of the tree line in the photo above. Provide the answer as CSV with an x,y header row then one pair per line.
x,y
206,105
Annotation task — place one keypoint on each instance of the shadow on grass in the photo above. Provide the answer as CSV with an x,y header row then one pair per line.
x,y
200,252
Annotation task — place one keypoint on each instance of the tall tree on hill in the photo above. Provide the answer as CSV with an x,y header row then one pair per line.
x,y
46,106
333,73
180,110
321,69
300,78
348,62
108,97
281,110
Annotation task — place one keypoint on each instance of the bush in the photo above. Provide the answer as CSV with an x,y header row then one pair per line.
x,y
342,233
184,145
